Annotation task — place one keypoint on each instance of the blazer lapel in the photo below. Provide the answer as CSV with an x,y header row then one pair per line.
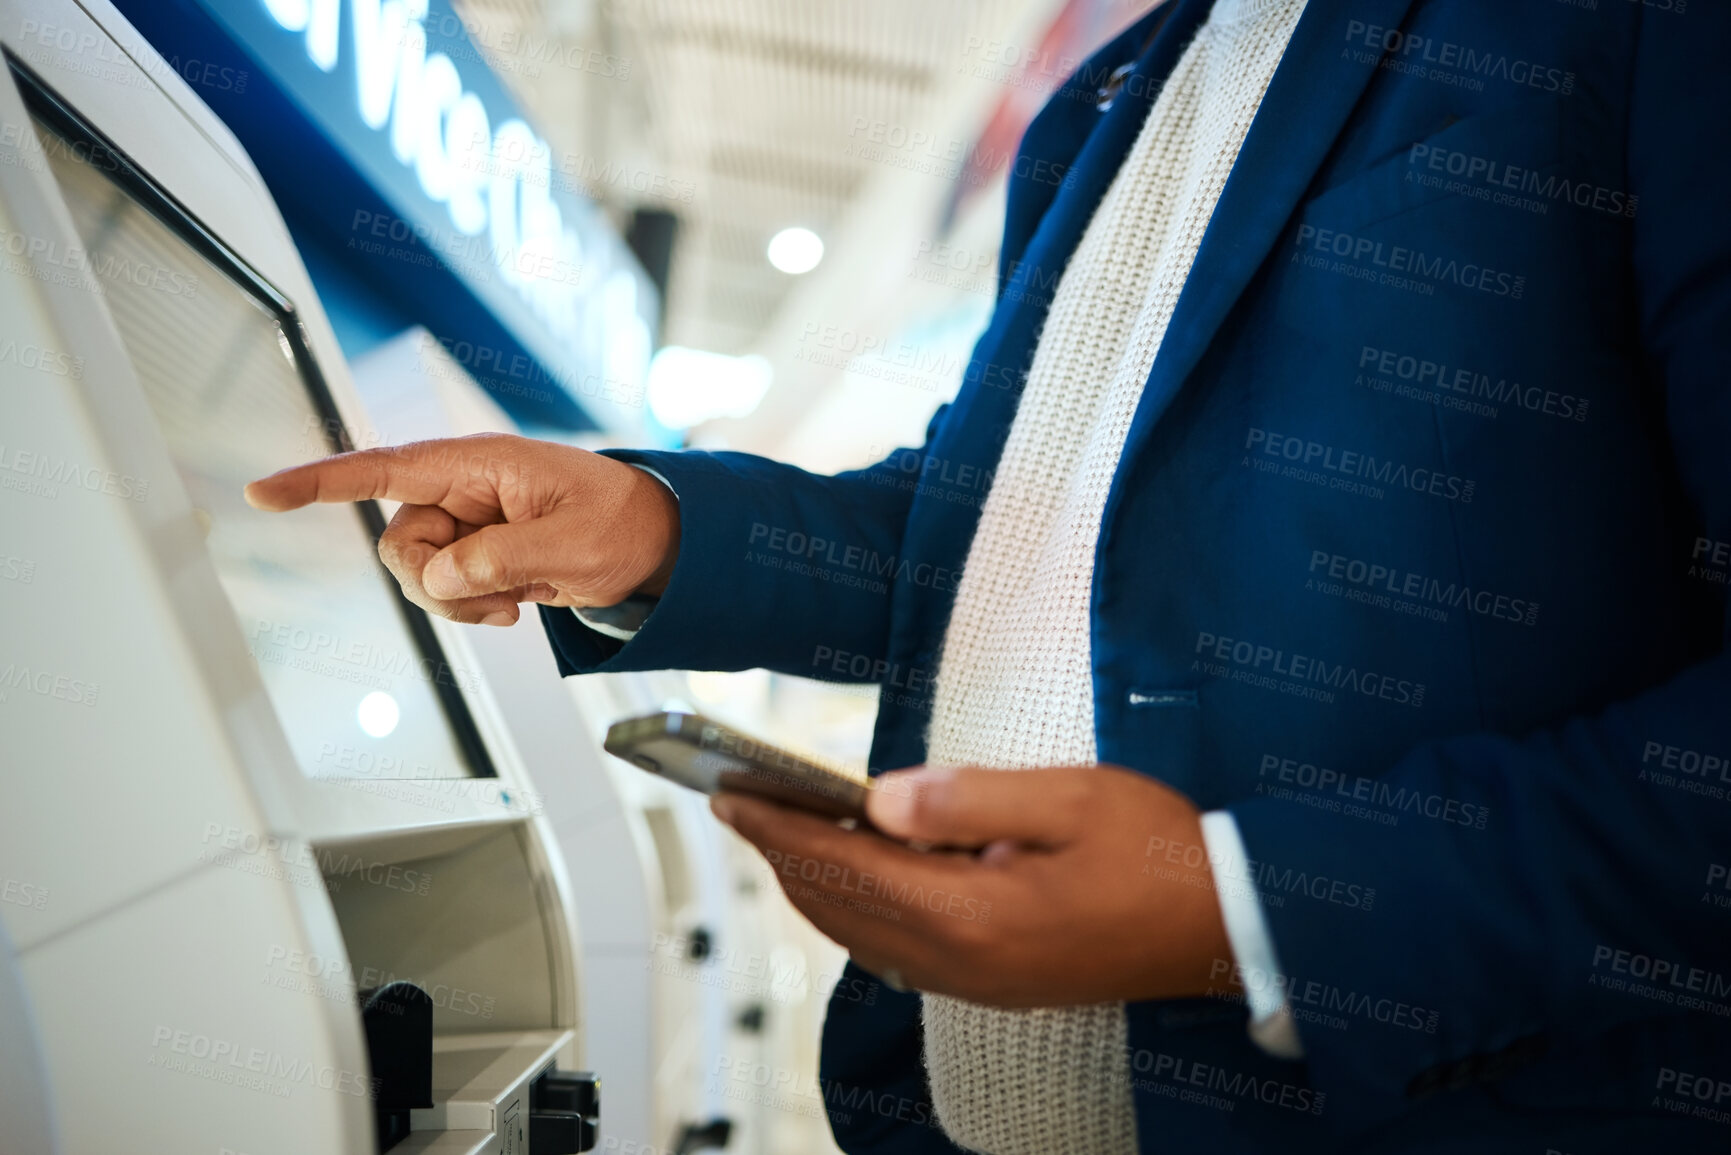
x,y
1045,224
1073,137
1072,149
1309,99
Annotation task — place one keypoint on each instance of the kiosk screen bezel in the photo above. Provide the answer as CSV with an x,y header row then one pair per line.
x,y
59,115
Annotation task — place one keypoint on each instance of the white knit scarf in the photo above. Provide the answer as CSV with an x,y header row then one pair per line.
x,y
1015,688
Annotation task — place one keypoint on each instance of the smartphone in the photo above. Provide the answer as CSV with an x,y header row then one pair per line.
x,y
708,757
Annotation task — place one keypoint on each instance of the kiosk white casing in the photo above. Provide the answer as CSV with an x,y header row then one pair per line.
x,y
188,953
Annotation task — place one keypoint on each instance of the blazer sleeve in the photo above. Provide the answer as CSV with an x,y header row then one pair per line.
x,y
1589,879
777,568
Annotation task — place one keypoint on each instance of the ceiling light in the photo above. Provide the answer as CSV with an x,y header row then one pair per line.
x,y
795,250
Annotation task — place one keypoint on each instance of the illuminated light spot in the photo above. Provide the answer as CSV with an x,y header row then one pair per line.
x,y
687,387
795,250
378,714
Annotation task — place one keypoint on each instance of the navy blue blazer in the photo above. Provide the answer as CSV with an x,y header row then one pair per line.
x,y
1416,561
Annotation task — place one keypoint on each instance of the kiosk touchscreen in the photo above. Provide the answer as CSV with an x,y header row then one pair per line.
x,y
353,671
274,876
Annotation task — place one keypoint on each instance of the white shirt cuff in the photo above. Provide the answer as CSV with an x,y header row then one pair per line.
x,y
1271,1025
587,615
622,621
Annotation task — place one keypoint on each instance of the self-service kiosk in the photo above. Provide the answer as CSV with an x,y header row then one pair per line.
x,y
274,877
286,866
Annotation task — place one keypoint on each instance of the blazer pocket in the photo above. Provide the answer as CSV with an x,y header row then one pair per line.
x,y
1484,157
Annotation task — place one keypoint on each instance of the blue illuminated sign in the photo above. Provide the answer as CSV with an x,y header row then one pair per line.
x,y
399,91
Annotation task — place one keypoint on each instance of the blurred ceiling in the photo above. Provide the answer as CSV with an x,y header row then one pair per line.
x,y
744,117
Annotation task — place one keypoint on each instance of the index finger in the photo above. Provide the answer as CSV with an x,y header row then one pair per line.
x,y
387,473
864,891
842,854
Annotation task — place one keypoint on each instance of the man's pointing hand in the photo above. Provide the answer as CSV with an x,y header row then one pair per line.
x,y
492,520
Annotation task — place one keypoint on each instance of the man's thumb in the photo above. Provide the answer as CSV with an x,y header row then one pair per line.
x,y
972,807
